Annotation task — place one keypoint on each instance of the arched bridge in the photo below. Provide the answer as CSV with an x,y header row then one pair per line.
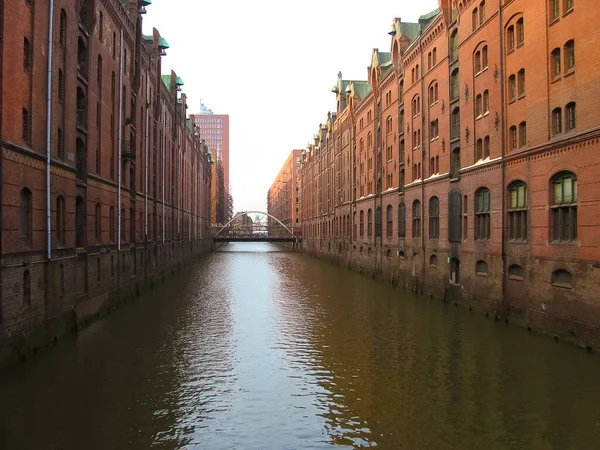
x,y
241,228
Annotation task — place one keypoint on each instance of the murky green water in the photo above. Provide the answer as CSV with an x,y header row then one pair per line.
x,y
255,348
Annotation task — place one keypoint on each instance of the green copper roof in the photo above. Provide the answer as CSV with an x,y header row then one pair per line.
x,y
147,37
383,57
362,88
179,81
167,80
430,15
162,43
409,30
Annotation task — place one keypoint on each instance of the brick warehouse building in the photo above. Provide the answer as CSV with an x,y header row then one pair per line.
x,y
75,240
465,165
282,197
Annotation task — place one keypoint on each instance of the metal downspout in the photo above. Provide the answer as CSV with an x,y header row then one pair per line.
x,y
120,141
49,134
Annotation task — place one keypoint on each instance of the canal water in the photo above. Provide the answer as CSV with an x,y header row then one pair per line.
x,y
259,348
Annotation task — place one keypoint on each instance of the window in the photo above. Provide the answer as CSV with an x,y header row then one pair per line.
x,y
429,60
569,5
517,210
570,116
434,218
455,124
556,121
465,217
513,137
60,144
454,85
481,268
26,125
416,219
554,10
454,46
98,224
477,62
61,87
564,207
100,25
510,38
111,224
482,12
478,105
523,134
378,224
362,224
479,150
434,56
521,82
486,102
484,57
27,55
555,58
454,271
63,28
475,18
60,220
369,140
114,45
434,129
417,73
25,211
482,214
455,163
388,125
401,220
562,278
520,32
512,88
369,222
389,232
80,230
570,56
515,272
486,147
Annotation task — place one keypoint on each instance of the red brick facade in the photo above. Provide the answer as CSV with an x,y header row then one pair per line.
x,y
282,198
470,162
113,117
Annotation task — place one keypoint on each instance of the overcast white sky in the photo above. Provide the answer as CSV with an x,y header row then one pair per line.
x,y
270,65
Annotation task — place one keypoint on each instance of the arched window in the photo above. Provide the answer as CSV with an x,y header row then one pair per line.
x,y
60,220
455,124
27,55
388,125
99,76
401,220
63,28
515,272
429,61
517,210
486,147
482,214
361,145
510,38
401,92
454,46
520,32
370,223
100,25
570,116
454,85
369,140
378,224
433,260
111,224
556,121
479,150
434,218
523,134
477,62
82,57
486,101
25,211
416,219
512,87
26,125
475,18
61,87
521,82
555,59
481,267
484,57
482,12
98,223
434,56
570,56
455,163
564,207
389,232
562,278
60,144
80,230
478,105
513,137
362,223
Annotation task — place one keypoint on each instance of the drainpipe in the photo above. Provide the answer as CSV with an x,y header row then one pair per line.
x,y
120,141
146,159
503,142
163,170
423,124
49,134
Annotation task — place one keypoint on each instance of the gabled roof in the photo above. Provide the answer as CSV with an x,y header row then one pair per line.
x,y
409,30
166,79
362,88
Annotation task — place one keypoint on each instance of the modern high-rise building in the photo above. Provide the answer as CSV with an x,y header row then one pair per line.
x,y
214,129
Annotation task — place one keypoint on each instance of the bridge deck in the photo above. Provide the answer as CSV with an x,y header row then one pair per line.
x,y
254,239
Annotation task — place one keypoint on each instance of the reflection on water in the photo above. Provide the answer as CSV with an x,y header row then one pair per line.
x,y
261,348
